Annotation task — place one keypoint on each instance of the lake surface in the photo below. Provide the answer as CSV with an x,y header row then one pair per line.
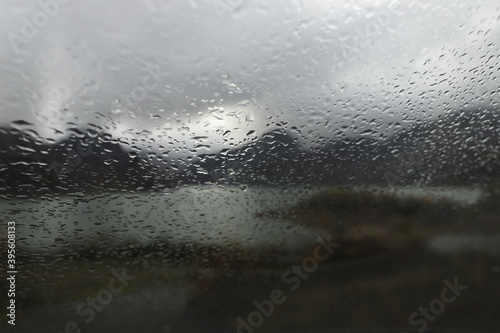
x,y
208,214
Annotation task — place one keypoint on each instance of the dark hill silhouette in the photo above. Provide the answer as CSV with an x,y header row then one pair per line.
x,y
84,161
455,149
460,148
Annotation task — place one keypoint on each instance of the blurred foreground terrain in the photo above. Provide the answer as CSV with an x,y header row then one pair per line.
x,y
395,252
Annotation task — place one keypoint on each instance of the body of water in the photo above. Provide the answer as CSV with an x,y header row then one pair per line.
x,y
208,214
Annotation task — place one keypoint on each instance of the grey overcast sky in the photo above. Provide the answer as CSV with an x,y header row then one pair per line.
x,y
185,73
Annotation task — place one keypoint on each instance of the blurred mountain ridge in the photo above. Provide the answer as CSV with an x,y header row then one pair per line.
x,y
455,149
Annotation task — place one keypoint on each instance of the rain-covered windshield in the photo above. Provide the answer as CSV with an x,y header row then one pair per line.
x,y
279,166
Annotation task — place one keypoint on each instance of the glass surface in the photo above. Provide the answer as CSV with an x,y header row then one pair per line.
x,y
249,166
